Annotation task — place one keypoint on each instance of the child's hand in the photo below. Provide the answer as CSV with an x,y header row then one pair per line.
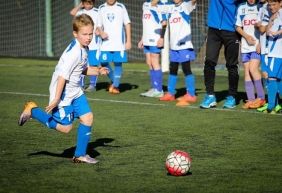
x,y
251,40
52,105
104,35
103,71
258,24
160,43
258,48
140,44
272,33
128,45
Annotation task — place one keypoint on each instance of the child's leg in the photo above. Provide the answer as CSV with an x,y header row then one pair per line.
x,y
256,75
272,93
117,74
93,80
249,86
111,72
83,138
93,59
44,118
172,78
189,78
83,112
280,87
158,82
250,90
151,69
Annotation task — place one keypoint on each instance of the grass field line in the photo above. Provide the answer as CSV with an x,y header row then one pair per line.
x,y
142,103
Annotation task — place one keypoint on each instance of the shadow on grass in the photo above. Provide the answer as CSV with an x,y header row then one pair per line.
x,y
188,174
122,87
68,153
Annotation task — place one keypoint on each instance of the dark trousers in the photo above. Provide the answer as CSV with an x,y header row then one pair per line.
x,y
215,40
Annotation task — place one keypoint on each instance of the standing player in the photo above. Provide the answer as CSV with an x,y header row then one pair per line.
x,y
67,100
112,20
245,25
181,51
274,33
87,7
152,41
221,32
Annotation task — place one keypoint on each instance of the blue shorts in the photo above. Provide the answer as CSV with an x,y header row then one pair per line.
x,y
182,55
66,115
246,57
152,49
263,62
274,68
113,56
93,58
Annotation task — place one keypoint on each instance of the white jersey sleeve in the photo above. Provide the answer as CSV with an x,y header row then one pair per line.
x,y
262,14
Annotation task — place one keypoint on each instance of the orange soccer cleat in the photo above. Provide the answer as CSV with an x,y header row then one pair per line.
x,y
257,103
113,90
26,114
167,97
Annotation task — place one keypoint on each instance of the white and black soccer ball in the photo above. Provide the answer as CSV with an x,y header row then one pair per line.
x,y
178,163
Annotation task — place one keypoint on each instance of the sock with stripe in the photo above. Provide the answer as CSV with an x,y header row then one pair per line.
x,y
83,138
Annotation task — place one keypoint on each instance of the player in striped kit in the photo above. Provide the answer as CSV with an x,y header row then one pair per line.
x,y
181,51
154,25
274,34
247,14
112,19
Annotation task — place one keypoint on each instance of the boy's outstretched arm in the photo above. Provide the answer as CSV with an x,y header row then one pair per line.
x,y
59,90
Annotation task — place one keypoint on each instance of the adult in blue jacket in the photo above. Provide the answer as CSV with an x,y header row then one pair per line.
x,y
221,32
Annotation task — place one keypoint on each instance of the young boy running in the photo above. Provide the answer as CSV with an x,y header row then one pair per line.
x,y
67,100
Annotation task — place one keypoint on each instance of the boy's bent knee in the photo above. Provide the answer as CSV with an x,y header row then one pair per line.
x,y
87,119
64,128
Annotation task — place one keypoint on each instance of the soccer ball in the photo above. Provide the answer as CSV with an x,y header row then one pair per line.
x,y
178,163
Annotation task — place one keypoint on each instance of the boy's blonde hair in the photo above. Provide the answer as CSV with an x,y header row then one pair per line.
x,y
80,21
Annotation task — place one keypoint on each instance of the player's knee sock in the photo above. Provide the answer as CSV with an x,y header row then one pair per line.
x,y
158,80
93,80
117,74
111,72
83,138
172,80
44,118
152,78
272,93
259,89
190,84
250,90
